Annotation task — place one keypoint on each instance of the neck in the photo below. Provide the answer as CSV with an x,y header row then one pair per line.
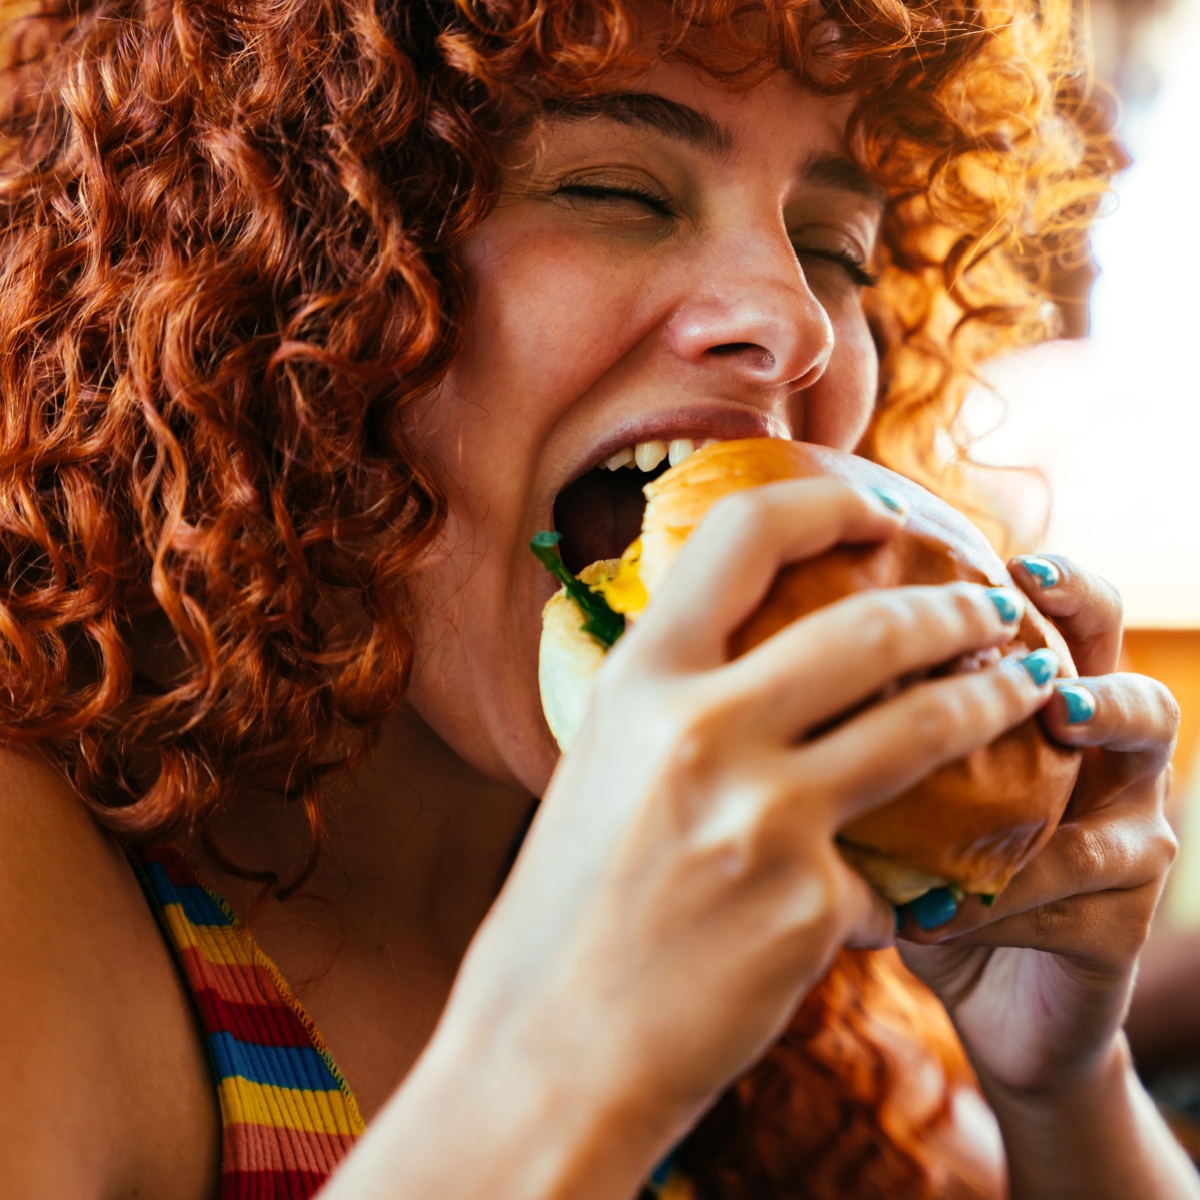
x,y
416,838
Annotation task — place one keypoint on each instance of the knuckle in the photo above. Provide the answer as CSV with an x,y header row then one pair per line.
x,y
1050,919
937,717
691,746
700,731
738,843
884,631
1164,844
1086,857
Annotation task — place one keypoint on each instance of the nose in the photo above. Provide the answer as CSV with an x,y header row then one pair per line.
x,y
756,318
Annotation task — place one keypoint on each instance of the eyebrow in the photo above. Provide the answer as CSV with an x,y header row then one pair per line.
x,y
648,110
829,169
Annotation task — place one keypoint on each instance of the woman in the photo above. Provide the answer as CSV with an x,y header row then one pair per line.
x,y
309,313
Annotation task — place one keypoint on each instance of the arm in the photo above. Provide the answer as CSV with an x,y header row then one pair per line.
x,y
472,1123
681,889
107,1089
1094,1137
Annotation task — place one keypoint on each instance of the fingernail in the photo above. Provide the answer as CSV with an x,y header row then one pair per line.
x,y
899,916
1043,570
1006,606
890,500
933,909
1042,666
1080,703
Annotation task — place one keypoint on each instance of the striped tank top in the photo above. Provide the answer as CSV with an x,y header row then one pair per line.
x,y
288,1116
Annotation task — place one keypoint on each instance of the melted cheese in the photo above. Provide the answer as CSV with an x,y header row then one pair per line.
x,y
624,591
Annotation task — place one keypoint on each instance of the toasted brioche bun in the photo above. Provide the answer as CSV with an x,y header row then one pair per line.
x,y
972,824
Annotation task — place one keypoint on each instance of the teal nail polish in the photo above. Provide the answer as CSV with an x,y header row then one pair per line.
x,y
899,914
1079,702
890,501
933,909
1006,606
1043,570
1042,666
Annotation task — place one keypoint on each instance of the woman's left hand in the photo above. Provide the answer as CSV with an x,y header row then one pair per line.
x,y
1038,985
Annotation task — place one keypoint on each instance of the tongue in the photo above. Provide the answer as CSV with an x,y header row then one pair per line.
x,y
599,515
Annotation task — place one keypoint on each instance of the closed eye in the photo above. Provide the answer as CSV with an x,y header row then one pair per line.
x,y
860,275
607,193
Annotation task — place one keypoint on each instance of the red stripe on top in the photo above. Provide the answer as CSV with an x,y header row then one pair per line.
x,y
255,1023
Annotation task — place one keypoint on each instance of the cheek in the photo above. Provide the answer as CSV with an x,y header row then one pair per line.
x,y
546,315
838,408
545,320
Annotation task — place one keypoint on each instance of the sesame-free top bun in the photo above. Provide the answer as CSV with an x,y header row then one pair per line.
x,y
973,823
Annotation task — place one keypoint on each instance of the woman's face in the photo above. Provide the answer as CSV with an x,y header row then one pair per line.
x,y
677,261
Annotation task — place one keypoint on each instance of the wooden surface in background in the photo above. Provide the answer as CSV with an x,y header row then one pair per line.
x,y
1164,1022
1172,655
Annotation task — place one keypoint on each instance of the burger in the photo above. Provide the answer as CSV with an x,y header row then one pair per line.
x,y
969,826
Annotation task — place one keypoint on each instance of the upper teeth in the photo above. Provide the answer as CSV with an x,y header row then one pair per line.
x,y
647,455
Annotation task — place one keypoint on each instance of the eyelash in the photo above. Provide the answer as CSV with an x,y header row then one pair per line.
x,y
859,275
600,191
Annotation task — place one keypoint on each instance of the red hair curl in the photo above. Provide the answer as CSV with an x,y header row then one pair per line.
x,y
227,274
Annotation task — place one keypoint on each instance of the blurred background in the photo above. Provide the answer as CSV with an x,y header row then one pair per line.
x,y
1107,422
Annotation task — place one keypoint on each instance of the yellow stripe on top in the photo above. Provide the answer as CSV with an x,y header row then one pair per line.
x,y
218,944
244,1102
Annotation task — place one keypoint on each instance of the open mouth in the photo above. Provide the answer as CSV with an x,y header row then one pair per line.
x,y
601,512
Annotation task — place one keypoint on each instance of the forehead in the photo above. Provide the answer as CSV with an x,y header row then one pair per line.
x,y
776,115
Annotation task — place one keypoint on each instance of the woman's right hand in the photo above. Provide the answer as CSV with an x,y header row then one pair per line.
x,y
680,889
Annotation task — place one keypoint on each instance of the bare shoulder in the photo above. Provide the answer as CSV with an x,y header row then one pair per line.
x,y
108,1092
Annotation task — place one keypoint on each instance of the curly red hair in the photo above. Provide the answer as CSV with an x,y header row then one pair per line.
x,y
228,272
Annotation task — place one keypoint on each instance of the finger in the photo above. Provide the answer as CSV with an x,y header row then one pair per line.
x,y
872,924
1125,848
725,568
1102,930
883,751
1129,713
1086,608
860,645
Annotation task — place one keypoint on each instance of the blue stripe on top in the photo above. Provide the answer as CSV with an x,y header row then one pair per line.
x,y
198,906
275,1066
